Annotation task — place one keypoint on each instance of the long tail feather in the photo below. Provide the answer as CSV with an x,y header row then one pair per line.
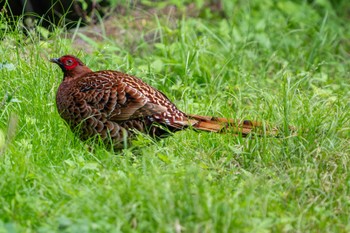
x,y
235,126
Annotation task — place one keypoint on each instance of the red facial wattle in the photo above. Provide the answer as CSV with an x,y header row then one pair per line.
x,y
68,63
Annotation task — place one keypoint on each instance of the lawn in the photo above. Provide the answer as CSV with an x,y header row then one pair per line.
x,y
279,62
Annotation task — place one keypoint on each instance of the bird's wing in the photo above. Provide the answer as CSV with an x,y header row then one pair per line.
x,y
115,98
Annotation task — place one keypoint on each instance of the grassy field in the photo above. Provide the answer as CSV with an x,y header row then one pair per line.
x,y
282,62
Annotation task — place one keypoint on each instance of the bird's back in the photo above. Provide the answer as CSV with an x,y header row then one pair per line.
x,y
109,103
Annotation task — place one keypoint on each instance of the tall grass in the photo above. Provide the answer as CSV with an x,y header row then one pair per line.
x,y
283,63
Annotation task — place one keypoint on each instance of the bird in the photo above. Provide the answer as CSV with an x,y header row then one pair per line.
x,y
113,106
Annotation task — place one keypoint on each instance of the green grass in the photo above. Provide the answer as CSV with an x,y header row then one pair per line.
x,y
285,63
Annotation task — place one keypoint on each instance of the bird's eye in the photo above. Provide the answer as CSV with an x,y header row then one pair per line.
x,y
69,62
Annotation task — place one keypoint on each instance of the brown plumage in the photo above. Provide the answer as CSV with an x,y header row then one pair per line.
x,y
114,105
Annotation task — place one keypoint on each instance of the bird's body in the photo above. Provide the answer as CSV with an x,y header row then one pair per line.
x,y
114,105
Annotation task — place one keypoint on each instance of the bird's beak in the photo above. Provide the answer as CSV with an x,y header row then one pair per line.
x,y
55,60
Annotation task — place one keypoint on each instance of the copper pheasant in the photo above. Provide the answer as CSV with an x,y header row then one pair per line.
x,y
114,105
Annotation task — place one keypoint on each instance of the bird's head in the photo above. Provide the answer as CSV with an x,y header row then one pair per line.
x,y
71,66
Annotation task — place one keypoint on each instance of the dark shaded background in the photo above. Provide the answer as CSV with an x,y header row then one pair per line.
x,y
48,12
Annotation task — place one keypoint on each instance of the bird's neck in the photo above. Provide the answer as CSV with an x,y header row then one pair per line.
x,y
76,72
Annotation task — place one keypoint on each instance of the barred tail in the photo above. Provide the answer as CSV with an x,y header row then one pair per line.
x,y
235,126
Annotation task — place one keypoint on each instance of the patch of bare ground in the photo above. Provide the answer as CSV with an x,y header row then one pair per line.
x,y
127,26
